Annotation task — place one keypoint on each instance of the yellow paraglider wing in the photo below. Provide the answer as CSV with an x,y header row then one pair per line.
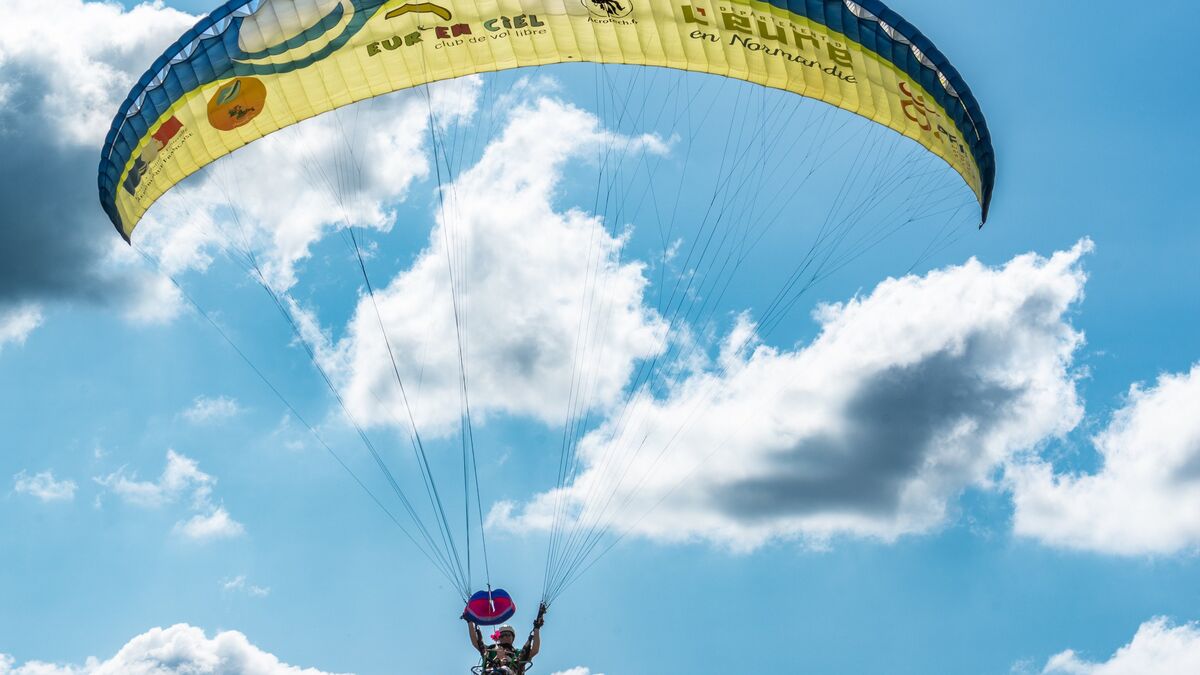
x,y
253,67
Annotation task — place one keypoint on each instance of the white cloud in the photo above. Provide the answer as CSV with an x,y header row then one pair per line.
x,y
518,262
1145,498
206,409
181,478
908,396
578,670
89,54
44,486
215,524
17,323
181,475
178,650
1158,647
8,667
158,301
241,585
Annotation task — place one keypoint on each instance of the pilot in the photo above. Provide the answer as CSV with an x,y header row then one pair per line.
x,y
503,658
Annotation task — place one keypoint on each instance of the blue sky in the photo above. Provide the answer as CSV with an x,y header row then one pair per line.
x,y
149,479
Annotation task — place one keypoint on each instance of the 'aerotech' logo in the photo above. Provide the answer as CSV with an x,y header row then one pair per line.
x,y
609,9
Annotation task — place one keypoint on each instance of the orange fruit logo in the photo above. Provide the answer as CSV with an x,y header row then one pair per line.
x,y
236,103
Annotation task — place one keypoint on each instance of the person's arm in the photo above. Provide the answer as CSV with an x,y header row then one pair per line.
x,y
534,644
476,636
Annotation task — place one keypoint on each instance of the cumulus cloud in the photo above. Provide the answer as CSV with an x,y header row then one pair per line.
x,y
8,667
66,65
578,670
181,475
182,478
205,409
44,486
521,285
1158,647
178,650
1145,498
908,396
215,524
16,323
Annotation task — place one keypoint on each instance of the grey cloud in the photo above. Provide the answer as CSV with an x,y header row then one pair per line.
x,y
893,421
53,235
524,355
1190,471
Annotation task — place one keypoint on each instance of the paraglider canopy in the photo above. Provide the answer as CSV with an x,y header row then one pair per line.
x,y
255,67
244,71
490,608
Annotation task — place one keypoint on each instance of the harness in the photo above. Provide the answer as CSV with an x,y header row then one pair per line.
x,y
495,657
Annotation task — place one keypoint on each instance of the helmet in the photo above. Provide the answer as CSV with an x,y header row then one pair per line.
x,y
507,629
